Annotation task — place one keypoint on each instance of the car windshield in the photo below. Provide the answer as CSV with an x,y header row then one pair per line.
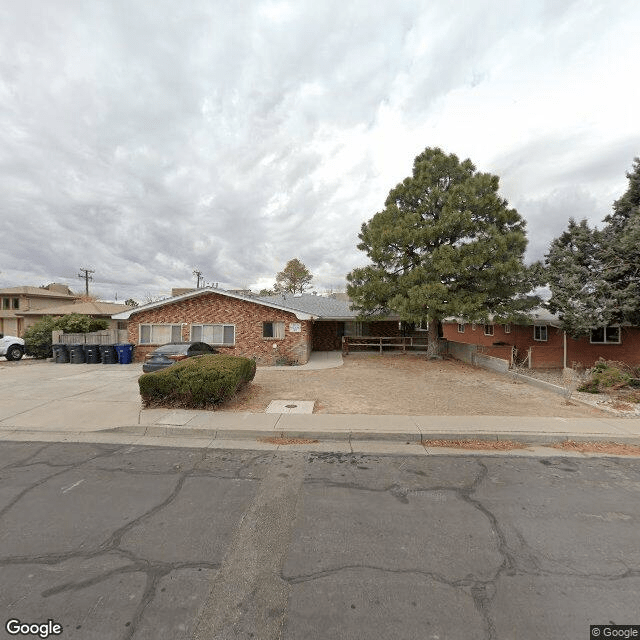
x,y
173,348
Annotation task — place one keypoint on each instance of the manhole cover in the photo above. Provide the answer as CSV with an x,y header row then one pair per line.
x,y
290,406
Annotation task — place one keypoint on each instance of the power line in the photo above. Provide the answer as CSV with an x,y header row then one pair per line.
x,y
198,275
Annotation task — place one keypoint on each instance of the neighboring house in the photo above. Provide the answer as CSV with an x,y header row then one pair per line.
x,y
270,329
548,345
16,302
94,309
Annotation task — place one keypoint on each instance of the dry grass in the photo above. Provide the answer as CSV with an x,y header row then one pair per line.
x,y
494,445
611,448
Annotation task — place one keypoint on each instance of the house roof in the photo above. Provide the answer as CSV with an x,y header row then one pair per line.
x,y
539,315
318,306
299,313
305,306
83,308
36,292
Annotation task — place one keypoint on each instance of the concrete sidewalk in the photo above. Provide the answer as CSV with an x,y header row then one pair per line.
x,y
64,402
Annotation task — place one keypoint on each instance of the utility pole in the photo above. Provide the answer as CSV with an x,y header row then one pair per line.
x,y
198,275
86,278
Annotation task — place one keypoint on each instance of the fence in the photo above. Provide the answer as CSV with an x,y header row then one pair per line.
x,y
108,336
380,342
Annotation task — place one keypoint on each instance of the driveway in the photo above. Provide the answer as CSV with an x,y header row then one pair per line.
x,y
98,396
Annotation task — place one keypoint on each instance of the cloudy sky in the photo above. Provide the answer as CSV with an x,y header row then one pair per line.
x,y
146,138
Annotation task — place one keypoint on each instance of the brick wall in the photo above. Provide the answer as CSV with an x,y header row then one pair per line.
x,y
583,352
213,308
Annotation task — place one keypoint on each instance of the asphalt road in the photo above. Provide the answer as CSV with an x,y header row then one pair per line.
x,y
115,541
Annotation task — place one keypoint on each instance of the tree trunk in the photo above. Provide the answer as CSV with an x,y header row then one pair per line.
x,y
432,338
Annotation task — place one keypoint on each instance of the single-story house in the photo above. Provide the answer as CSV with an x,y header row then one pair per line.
x,y
542,344
281,328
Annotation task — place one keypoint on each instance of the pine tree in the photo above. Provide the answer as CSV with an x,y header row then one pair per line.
x,y
445,245
594,275
294,278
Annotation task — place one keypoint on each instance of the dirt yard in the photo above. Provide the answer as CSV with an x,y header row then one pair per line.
x,y
405,385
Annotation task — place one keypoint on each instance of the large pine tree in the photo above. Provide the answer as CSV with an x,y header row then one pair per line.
x,y
594,275
446,244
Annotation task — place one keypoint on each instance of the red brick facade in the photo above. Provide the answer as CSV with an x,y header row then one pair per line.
x,y
247,318
327,334
550,353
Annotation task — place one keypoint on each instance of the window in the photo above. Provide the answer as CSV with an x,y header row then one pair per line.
x,y
5,303
356,329
160,333
218,334
488,329
473,326
507,328
540,332
273,330
605,335
460,327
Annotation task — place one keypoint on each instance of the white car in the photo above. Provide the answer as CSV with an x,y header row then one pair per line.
x,y
11,348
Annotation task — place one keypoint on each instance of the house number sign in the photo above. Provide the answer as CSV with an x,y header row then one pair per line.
x,y
295,327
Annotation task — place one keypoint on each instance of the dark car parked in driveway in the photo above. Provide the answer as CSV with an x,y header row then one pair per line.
x,y
173,352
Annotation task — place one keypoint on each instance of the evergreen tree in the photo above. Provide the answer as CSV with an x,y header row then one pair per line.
x,y
294,278
445,245
594,276
574,270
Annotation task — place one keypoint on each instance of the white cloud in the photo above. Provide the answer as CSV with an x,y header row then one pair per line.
x,y
144,139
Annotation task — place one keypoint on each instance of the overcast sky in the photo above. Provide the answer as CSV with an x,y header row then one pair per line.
x,y
144,139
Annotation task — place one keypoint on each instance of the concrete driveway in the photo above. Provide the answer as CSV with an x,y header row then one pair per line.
x,y
41,394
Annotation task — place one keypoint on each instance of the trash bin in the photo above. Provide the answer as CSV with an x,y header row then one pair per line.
x,y
91,353
76,354
60,353
108,354
125,353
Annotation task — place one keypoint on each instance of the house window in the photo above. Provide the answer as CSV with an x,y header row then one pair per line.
x,y
473,326
540,332
507,328
160,333
273,330
216,334
356,329
488,329
605,335
460,327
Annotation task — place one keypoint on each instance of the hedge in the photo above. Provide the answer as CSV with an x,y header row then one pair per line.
x,y
196,383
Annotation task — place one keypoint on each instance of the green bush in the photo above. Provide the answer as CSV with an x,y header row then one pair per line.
x,y
196,383
37,338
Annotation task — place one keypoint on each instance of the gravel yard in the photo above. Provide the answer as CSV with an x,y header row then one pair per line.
x,y
407,384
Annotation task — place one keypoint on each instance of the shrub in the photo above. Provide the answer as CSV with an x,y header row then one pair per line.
x,y
196,383
37,338
606,375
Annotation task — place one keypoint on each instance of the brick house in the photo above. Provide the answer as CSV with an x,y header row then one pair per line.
x,y
548,345
283,328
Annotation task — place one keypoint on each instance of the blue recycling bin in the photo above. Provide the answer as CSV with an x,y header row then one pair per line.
x,y
125,353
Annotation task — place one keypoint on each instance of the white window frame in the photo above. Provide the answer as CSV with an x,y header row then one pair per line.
x,y
604,332
473,326
507,328
488,330
460,327
277,328
213,342
155,339
539,328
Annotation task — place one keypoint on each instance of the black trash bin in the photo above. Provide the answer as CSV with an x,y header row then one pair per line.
x,y
76,354
60,353
91,353
108,354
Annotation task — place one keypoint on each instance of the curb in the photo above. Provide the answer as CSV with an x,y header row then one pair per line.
x,y
533,438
